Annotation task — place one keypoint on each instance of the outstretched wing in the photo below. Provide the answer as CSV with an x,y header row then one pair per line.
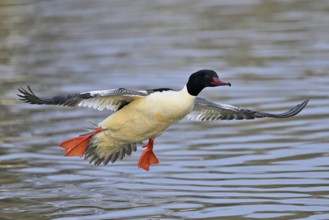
x,y
205,110
113,99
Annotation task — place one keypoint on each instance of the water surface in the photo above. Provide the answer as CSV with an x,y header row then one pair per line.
x,y
275,54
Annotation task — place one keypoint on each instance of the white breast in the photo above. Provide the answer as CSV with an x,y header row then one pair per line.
x,y
171,105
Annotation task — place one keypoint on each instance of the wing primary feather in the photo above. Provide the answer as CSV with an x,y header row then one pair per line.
x,y
292,112
113,99
27,95
205,110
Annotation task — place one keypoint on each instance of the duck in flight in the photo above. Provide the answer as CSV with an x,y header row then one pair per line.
x,y
144,114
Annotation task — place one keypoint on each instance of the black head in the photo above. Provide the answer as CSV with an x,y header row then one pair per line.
x,y
202,79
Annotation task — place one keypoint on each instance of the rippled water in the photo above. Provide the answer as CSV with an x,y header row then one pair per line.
x,y
275,53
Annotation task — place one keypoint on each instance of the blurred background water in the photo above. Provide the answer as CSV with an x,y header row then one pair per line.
x,y
274,52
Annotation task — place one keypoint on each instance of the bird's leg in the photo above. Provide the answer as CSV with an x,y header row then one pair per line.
x,y
148,157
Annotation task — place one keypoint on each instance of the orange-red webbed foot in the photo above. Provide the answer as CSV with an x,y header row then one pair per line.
x,y
148,157
78,145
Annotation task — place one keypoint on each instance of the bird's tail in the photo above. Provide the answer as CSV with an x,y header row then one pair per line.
x,y
78,145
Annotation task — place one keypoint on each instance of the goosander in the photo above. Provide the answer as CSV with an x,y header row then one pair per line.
x,y
144,114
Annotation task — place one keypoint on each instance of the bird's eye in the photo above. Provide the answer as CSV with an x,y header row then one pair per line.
x,y
205,76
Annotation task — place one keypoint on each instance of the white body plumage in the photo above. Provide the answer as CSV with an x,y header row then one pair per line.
x,y
146,117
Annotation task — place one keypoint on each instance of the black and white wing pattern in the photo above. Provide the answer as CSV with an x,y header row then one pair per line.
x,y
205,110
113,99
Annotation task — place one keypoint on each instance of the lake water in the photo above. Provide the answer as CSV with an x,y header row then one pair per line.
x,y
275,53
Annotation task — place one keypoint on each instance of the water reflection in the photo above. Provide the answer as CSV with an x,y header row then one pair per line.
x,y
275,53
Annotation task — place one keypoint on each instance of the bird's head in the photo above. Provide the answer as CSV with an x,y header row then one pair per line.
x,y
202,79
